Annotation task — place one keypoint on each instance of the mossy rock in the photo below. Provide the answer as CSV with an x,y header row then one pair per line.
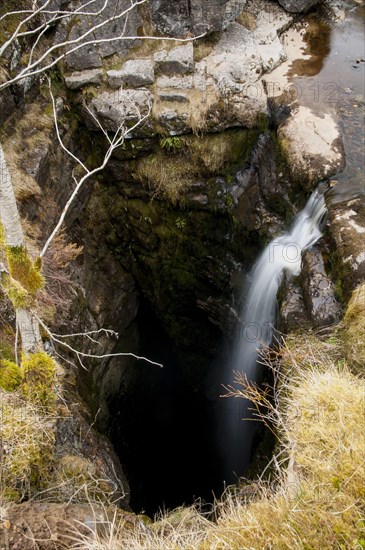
x,y
10,375
38,370
78,479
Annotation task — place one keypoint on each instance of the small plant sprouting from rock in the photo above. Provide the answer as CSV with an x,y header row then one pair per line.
x,y
171,144
180,223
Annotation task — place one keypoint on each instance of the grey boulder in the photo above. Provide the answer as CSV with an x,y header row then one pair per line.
x,y
298,6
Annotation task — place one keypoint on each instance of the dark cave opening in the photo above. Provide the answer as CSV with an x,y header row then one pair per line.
x,y
166,430
163,429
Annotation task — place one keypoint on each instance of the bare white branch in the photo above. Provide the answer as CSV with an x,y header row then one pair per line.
x,y
80,354
40,65
117,140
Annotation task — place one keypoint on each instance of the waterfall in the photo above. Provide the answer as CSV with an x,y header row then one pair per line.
x,y
257,321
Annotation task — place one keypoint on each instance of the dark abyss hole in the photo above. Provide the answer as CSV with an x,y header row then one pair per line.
x,y
163,429
167,432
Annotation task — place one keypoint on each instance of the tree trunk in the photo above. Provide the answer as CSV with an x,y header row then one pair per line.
x,y
9,214
27,323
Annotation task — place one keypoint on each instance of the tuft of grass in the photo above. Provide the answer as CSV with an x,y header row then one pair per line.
x,y
201,103
77,479
167,175
248,20
27,439
353,334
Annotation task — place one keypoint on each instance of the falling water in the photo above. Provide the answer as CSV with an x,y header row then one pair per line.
x,y
257,320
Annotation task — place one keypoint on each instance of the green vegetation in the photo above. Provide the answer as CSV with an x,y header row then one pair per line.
x,y
178,162
15,292
171,143
10,375
23,270
38,371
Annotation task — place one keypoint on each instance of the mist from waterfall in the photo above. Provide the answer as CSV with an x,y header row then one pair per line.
x,y
257,322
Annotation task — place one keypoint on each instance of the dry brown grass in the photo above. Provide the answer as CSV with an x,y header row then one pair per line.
x,y
31,131
353,334
165,174
27,439
248,20
196,111
200,105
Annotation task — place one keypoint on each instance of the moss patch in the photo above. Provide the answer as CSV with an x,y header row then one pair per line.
x,y
23,270
38,370
10,375
15,292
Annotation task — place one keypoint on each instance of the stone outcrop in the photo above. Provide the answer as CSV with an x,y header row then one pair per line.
x,y
195,17
219,91
91,55
179,60
312,145
123,107
79,79
347,223
298,6
133,74
293,313
318,290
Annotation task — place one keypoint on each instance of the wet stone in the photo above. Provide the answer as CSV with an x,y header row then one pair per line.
x,y
293,314
319,296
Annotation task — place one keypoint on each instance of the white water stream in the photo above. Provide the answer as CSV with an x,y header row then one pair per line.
x,y
258,318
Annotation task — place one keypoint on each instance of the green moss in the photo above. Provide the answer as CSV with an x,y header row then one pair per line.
x,y
10,375
38,370
15,292
23,270
6,350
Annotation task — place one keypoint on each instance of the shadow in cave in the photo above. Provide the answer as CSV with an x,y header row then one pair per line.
x,y
163,429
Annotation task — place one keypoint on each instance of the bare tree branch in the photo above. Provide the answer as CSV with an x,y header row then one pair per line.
x,y
114,143
79,354
38,67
